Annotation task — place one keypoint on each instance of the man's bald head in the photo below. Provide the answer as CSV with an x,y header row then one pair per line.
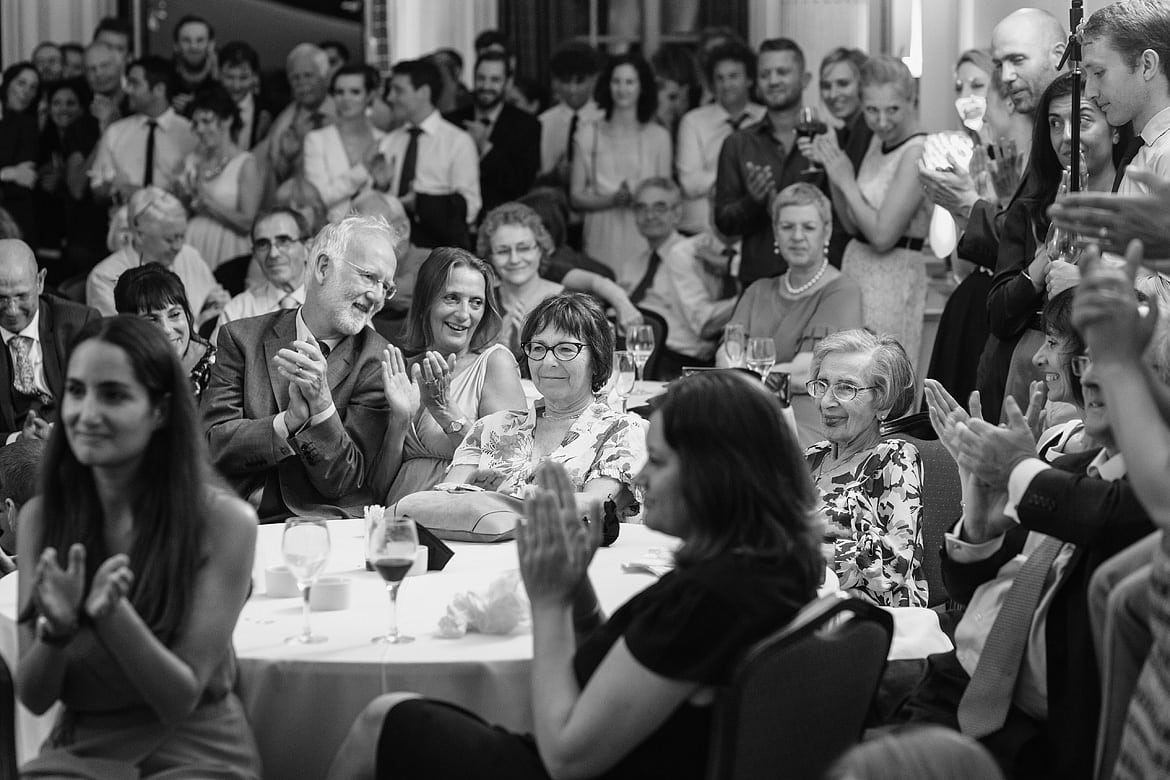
x,y
20,285
1027,46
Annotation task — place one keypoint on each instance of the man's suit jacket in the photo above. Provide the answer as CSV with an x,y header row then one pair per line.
x,y
1101,518
509,168
325,469
60,322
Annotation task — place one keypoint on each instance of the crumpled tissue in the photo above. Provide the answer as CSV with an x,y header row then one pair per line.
x,y
501,609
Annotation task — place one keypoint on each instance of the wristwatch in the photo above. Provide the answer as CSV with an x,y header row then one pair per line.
x,y
457,426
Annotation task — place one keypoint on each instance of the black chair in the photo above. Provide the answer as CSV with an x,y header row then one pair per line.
x,y
799,698
8,767
942,495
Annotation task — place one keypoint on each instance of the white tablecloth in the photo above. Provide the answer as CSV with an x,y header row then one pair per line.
x,y
301,699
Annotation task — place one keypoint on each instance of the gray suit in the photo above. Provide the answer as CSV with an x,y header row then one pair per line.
x,y
326,469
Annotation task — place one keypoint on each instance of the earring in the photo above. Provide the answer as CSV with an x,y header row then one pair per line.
x,y
775,247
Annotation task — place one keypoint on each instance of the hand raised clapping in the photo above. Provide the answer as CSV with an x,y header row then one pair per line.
x,y
555,546
402,391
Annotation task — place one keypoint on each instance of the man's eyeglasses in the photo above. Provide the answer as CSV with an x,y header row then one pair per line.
x,y
504,252
658,209
263,246
565,351
1080,365
373,280
842,391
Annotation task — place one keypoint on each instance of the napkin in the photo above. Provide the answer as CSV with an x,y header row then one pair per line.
x,y
498,610
438,553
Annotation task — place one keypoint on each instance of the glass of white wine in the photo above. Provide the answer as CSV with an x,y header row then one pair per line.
x,y
625,370
640,344
305,547
734,341
761,355
390,546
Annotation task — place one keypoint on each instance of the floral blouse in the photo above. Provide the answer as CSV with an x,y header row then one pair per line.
x,y
873,512
201,372
601,443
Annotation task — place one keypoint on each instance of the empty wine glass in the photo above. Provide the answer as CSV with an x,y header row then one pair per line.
x,y
305,547
625,370
761,355
734,340
390,547
640,344
809,125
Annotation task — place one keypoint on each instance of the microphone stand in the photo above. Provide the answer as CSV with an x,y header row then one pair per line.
x,y
1072,55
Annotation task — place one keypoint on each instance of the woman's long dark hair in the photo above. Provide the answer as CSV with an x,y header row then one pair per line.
x,y
1044,168
171,488
744,479
648,90
432,275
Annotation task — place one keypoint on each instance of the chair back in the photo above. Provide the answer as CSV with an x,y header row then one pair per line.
x,y
942,497
8,767
658,325
799,698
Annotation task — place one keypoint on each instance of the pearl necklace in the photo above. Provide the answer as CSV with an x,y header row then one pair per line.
x,y
807,285
562,416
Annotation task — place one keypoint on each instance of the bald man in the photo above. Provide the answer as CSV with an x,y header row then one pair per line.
x,y
37,329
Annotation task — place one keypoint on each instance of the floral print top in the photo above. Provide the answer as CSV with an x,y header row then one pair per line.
x,y
873,510
601,443
201,372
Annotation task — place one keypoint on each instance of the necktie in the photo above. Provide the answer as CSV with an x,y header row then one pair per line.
x,y
288,302
572,135
317,120
730,290
985,704
648,279
148,168
325,349
23,374
1131,151
409,161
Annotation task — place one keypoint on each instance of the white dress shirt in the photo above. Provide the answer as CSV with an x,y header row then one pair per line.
x,y
198,281
298,117
447,161
686,294
262,299
631,273
554,130
122,150
700,137
1154,156
1031,694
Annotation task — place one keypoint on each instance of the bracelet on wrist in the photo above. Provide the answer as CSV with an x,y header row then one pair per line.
x,y
53,636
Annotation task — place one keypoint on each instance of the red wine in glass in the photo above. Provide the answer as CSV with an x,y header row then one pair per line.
x,y
393,569
810,126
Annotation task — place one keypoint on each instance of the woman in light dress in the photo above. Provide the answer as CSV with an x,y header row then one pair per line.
x,y
883,205
612,156
221,183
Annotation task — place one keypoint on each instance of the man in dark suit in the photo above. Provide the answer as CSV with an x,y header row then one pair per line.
x,y
1070,516
507,139
37,330
294,411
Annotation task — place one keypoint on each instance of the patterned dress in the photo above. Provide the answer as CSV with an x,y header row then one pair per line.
x,y
200,373
873,510
601,443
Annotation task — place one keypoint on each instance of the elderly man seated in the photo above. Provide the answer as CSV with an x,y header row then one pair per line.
x,y
294,411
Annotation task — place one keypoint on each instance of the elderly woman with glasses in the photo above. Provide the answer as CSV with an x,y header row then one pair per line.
x,y
870,487
569,350
458,375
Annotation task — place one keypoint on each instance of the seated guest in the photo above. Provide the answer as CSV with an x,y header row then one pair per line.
x,y
925,753
20,467
507,139
156,295
657,206
337,154
294,410
871,488
37,330
158,230
134,566
460,371
808,301
221,182
1020,558
514,239
410,257
1059,393
239,72
428,163
569,350
278,247
553,207
631,697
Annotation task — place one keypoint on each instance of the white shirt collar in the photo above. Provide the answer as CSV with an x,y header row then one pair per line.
x,y
304,334
1105,467
429,124
32,330
1157,127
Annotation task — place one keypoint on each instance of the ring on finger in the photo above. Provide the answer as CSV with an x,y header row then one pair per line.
x,y
1103,233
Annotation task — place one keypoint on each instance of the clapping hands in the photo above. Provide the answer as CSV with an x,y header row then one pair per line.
x,y
555,546
1116,328
402,391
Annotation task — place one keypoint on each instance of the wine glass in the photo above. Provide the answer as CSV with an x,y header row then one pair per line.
x,y
390,547
640,344
761,355
1062,244
809,125
625,370
734,339
305,547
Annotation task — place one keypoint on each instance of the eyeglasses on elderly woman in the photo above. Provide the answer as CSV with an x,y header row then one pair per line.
x,y
842,391
566,350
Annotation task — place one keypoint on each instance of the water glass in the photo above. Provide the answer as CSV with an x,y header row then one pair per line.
x,y
640,344
625,371
761,355
305,547
734,341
